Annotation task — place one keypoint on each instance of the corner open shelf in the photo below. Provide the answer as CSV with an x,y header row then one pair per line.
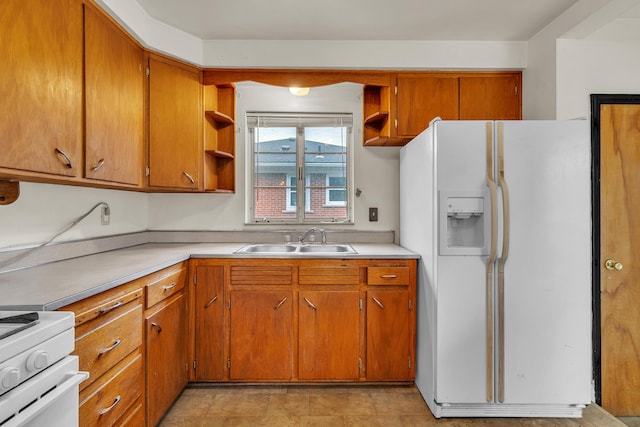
x,y
219,138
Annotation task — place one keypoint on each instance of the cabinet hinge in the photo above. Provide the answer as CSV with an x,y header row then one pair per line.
x,y
148,72
409,362
395,90
195,280
360,364
360,303
410,306
147,171
229,303
229,363
515,90
194,365
396,123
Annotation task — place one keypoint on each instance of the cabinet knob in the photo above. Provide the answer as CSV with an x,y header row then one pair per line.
x,y
612,265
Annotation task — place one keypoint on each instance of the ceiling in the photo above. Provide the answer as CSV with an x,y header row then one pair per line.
x,y
485,20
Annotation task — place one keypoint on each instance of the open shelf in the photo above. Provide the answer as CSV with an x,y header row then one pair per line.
x,y
376,119
219,138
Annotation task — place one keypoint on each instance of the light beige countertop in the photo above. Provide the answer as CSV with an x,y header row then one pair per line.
x,y
54,285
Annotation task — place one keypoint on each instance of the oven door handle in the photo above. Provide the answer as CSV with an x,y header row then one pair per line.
x,y
73,379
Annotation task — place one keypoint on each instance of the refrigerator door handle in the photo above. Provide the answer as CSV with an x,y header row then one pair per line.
x,y
491,260
502,260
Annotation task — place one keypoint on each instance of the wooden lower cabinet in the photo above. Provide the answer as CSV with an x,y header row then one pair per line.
x,y
388,338
261,341
167,368
284,320
329,335
209,310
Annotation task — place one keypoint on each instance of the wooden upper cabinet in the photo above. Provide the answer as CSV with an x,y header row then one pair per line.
x,y
421,98
175,125
114,102
41,86
491,97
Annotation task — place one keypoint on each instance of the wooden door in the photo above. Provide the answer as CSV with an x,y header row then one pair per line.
x,y
329,325
175,131
41,86
423,98
620,240
491,97
114,102
209,328
388,345
261,335
167,373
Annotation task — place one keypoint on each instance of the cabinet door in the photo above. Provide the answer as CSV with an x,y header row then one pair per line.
x,y
329,325
491,97
41,86
175,134
114,102
388,335
261,335
209,312
166,333
422,98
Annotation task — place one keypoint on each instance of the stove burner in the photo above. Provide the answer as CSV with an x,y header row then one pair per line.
x,y
14,324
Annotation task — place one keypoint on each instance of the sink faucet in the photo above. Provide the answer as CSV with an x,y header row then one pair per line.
x,y
313,230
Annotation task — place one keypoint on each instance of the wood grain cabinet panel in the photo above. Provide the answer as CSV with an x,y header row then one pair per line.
x,y
421,98
209,323
41,86
114,102
491,97
166,356
388,337
329,326
261,328
175,125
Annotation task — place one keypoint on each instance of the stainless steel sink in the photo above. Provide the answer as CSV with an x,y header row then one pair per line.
x,y
328,248
266,248
277,248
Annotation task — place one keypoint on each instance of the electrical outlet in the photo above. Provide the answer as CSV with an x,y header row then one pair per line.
x,y
105,216
373,214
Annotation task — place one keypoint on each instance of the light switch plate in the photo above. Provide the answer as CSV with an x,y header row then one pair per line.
x,y
373,214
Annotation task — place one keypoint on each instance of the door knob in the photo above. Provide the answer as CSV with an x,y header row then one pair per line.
x,y
612,265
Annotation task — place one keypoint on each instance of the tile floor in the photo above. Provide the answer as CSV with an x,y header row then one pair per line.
x,y
334,405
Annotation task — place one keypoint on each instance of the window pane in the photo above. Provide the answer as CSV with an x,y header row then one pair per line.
x,y
326,164
274,165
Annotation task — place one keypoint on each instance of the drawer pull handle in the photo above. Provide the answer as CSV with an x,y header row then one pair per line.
x,y
377,301
171,286
154,324
97,165
389,276
113,405
214,299
113,307
189,177
280,303
108,349
65,157
312,305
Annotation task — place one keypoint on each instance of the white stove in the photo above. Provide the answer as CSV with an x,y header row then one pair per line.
x,y
37,376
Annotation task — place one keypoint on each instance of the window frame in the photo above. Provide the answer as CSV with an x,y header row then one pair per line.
x,y
302,185
327,199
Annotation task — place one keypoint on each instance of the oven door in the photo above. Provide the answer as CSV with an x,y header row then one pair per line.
x,y
49,399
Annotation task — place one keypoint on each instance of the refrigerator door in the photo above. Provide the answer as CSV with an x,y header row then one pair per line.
x,y
547,276
463,344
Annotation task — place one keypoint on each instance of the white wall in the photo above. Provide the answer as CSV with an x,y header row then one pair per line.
x,y
376,170
42,210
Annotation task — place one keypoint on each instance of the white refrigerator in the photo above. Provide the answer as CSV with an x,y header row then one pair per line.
x,y
500,213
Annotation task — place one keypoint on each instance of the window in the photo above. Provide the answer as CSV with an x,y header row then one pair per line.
x,y
300,167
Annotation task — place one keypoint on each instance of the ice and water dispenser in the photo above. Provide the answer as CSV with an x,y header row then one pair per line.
x,y
464,223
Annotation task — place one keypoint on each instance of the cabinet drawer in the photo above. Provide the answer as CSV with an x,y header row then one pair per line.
x,y
347,275
241,275
106,345
165,286
388,276
111,400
